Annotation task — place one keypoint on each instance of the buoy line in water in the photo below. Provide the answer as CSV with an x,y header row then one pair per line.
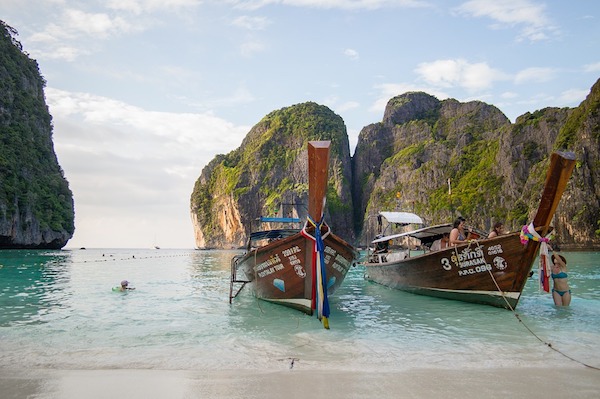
x,y
111,258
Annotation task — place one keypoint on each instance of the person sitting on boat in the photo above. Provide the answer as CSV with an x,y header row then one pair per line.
x,y
497,230
560,291
382,247
458,235
441,243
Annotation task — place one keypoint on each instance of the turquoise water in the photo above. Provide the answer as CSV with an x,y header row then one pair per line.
x,y
58,310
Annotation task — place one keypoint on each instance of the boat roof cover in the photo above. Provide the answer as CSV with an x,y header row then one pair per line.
x,y
272,234
402,217
425,234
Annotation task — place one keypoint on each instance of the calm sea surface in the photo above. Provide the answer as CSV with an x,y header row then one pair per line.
x,y
58,310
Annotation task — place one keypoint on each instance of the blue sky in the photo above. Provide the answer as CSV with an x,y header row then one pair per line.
x,y
144,93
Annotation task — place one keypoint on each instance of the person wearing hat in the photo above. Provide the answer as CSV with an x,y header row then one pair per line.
x,y
124,286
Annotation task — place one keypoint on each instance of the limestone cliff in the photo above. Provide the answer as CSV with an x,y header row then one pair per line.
x,y
36,204
269,171
578,216
441,159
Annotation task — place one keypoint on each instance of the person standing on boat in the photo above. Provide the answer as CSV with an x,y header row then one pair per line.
x,y
442,243
458,234
560,291
497,230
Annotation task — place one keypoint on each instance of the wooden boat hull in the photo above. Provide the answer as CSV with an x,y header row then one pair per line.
x,y
491,271
281,271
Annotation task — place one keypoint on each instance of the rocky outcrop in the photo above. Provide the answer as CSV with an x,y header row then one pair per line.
x,y
267,176
495,169
439,159
36,204
421,144
578,215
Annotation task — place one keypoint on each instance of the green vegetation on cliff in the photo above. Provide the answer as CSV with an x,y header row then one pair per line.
x,y
266,170
32,181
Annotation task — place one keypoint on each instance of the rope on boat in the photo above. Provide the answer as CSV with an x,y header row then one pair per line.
x,y
548,344
320,301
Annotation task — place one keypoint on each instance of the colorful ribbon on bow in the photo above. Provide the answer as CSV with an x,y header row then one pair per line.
x,y
320,302
529,233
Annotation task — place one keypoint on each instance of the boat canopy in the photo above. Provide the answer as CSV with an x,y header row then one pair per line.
x,y
402,217
272,234
425,234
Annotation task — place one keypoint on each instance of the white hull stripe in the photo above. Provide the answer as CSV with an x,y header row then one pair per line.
x,y
298,301
512,295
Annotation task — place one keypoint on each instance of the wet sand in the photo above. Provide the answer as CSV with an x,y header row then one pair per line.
x,y
531,383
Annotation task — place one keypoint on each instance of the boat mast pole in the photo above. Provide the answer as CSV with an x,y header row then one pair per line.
x,y
561,167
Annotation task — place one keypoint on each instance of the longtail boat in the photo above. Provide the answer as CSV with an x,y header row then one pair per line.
x,y
297,267
486,271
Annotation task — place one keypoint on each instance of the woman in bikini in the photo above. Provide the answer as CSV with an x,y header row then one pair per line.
x,y
560,291
458,235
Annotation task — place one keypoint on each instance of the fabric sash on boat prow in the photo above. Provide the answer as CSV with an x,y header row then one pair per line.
x,y
528,233
319,299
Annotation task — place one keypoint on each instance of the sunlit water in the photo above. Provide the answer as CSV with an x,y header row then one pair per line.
x,y
58,310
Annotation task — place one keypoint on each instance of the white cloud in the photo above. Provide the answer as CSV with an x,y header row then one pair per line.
x,y
509,95
459,73
333,103
142,6
351,53
595,67
330,4
74,23
66,53
152,131
95,24
251,47
346,106
132,166
241,95
535,74
573,97
530,16
251,23
75,31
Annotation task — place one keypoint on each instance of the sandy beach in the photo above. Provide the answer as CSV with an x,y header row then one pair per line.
x,y
531,383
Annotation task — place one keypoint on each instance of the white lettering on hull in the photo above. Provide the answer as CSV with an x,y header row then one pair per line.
x,y
275,263
472,260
